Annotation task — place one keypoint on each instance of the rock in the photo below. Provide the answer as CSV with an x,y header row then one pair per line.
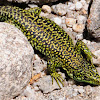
x,y
70,21
70,14
19,1
43,1
57,20
15,61
35,1
78,27
81,19
83,2
79,36
97,60
32,5
29,92
46,8
71,6
81,89
93,22
78,6
39,64
60,9
88,89
45,84
85,7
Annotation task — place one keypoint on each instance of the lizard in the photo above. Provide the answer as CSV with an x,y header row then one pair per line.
x,y
52,41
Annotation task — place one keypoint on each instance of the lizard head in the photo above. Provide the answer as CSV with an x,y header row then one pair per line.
x,y
87,73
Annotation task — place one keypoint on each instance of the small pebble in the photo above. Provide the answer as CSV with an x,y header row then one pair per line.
x,y
57,20
79,37
78,28
36,88
97,52
71,6
32,5
70,14
28,91
86,41
83,2
81,19
46,8
81,90
75,94
74,1
88,89
60,9
78,5
83,12
70,21
85,7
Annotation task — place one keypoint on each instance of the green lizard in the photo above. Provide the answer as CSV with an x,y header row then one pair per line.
x,y
54,43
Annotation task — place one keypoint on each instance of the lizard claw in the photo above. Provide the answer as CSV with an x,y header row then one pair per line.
x,y
58,78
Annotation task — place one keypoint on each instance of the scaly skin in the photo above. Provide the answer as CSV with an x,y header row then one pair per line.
x,y
55,43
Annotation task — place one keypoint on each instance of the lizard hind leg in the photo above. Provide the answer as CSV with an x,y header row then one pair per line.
x,y
52,64
81,48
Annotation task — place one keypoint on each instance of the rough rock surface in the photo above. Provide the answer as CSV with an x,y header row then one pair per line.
x,y
35,1
15,61
93,21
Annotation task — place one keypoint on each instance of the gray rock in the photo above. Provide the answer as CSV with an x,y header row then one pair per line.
x,y
19,1
78,27
57,20
35,1
70,21
45,84
15,61
93,22
43,1
81,19
46,8
78,5
60,9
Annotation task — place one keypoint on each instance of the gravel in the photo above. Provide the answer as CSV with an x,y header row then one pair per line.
x,y
71,16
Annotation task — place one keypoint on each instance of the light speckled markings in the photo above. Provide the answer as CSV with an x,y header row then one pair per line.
x,y
55,43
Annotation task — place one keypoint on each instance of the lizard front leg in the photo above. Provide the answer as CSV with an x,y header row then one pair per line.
x,y
52,64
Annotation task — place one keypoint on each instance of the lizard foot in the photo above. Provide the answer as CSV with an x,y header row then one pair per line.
x,y
58,78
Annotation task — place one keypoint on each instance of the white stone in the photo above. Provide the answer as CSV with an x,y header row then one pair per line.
x,y
60,9
81,19
57,20
85,7
46,8
20,1
70,21
83,2
71,6
78,28
79,37
78,5
32,5
81,90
